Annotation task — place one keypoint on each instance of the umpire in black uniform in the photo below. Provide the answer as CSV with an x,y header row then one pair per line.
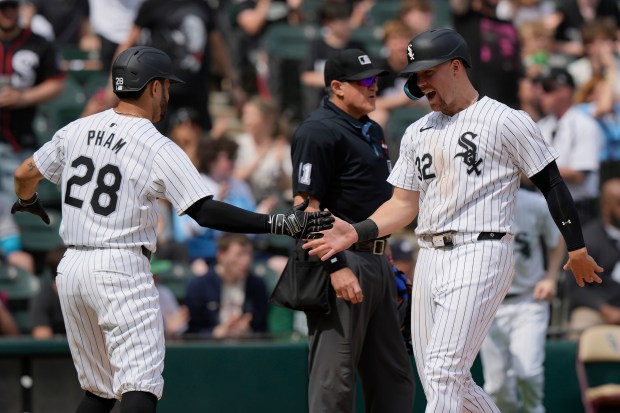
x,y
341,163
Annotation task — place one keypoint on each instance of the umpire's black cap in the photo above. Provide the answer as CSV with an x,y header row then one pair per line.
x,y
350,64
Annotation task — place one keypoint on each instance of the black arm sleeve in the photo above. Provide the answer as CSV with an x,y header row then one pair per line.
x,y
560,204
221,216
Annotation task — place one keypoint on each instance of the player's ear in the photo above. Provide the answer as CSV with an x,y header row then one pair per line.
x,y
156,86
458,65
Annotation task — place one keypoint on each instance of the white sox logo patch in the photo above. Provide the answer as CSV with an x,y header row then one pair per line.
x,y
364,59
470,154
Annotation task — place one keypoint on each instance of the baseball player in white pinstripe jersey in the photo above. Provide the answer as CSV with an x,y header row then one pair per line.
x,y
514,350
459,168
113,166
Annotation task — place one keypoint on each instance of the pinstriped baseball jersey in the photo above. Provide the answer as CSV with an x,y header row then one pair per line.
x,y
113,168
534,230
452,161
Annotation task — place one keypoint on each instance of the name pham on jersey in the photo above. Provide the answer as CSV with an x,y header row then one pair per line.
x,y
96,137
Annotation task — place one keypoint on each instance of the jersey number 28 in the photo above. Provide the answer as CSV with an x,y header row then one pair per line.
x,y
103,188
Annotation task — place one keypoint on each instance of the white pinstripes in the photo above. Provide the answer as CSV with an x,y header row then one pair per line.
x,y
514,350
111,310
456,293
535,231
151,167
109,302
466,168
507,142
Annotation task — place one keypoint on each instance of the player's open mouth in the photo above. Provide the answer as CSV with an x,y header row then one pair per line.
x,y
430,95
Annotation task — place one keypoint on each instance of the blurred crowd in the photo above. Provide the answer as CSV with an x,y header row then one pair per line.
x,y
253,70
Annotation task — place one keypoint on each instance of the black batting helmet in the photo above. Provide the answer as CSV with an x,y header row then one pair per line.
x,y
430,49
137,66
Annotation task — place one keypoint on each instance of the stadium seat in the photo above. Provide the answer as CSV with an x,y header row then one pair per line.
x,y
280,319
372,38
94,82
287,46
289,42
173,274
49,194
58,112
399,121
21,286
383,11
36,235
443,16
78,63
598,368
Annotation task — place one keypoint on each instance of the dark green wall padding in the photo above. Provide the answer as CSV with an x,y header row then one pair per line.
x,y
248,377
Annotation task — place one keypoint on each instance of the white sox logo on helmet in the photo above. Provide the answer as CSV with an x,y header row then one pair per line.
x,y
410,52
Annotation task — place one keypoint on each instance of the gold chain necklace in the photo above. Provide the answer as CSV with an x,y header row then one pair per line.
x,y
127,114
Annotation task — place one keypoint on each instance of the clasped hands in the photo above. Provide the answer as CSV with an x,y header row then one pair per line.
x,y
301,225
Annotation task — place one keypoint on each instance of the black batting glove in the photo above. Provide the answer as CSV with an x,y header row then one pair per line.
x,y
299,224
32,205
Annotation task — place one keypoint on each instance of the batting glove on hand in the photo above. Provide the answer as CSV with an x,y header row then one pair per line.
x,y
299,224
32,205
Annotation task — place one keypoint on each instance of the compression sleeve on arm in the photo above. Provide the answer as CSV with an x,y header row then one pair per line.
x,y
221,216
560,204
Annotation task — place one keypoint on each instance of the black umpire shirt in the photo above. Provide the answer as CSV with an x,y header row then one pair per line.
x,y
341,161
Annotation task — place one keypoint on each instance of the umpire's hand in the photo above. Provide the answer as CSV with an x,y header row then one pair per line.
x,y
299,224
32,205
347,285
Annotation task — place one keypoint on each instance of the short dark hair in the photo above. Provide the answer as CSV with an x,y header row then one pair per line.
x,y
211,148
601,27
226,240
330,10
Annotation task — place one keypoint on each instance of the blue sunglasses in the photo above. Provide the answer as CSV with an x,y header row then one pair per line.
x,y
368,82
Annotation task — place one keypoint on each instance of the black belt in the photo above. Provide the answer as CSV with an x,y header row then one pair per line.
x,y
376,246
511,296
145,251
485,236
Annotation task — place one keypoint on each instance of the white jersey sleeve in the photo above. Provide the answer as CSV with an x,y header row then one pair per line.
x,y
50,158
524,141
176,179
